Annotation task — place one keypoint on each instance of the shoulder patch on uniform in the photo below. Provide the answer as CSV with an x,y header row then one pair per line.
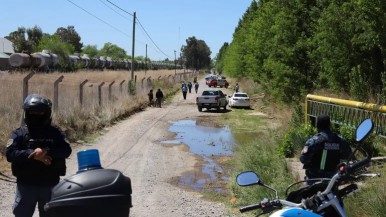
x,y
305,150
9,142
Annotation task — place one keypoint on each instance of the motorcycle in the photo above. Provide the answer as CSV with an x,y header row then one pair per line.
x,y
324,197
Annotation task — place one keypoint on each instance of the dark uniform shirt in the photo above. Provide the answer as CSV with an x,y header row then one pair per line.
x,y
322,154
159,94
31,171
151,95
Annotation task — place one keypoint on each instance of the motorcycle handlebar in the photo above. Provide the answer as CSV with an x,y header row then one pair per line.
x,y
250,207
352,167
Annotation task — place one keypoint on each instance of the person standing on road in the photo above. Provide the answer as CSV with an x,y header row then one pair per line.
x,y
196,85
237,88
184,91
151,97
190,86
159,96
37,153
323,152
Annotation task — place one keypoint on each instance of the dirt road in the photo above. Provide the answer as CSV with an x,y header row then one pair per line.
x,y
133,147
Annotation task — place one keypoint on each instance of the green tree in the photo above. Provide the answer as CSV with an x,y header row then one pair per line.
x,y
196,54
55,45
220,58
70,36
19,41
90,50
27,44
239,53
34,35
113,51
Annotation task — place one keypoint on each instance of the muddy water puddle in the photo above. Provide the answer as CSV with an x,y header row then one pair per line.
x,y
211,143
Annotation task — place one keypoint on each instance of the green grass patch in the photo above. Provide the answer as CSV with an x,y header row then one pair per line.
x,y
260,156
257,151
370,199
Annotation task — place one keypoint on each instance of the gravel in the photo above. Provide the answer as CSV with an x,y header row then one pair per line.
x,y
133,147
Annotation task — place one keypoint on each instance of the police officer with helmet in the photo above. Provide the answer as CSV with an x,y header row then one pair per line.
x,y
37,152
323,152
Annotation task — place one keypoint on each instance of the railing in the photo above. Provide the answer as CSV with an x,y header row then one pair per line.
x,y
345,112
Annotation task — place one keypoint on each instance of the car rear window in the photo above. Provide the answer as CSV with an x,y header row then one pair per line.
x,y
241,95
209,93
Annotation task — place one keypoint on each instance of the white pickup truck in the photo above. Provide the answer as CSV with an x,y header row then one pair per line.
x,y
211,99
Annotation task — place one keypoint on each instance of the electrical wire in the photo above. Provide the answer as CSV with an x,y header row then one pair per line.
x,y
151,39
143,28
99,19
137,20
114,10
121,15
119,8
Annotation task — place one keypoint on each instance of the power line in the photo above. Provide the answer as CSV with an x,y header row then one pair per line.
x,y
99,19
120,14
142,28
116,27
151,38
114,10
119,7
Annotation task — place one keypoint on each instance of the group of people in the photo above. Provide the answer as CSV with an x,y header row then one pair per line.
x,y
188,87
159,95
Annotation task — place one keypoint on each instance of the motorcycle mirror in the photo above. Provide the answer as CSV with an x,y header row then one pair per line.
x,y
247,178
364,129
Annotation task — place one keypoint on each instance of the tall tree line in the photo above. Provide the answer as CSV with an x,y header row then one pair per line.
x,y
295,47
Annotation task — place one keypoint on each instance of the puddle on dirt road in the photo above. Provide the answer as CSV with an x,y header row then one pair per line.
x,y
210,143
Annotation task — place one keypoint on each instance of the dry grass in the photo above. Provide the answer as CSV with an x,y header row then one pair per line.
x,y
76,120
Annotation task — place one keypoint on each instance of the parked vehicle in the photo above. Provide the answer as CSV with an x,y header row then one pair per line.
x,y
222,83
322,198
210,77
218,83
239,100
212,83
211,99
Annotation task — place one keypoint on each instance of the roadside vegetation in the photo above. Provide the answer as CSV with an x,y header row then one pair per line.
x,y
328,48
269,133
258,132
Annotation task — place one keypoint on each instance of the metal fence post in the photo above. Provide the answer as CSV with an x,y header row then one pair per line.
x,y
81,91
148,81
25,84
120,86
56,92
142,82
100,93
111,84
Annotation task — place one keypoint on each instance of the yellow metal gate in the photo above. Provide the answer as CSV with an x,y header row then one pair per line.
x,y
345,112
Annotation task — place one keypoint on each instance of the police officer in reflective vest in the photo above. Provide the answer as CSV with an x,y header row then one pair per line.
x,y
37,152
323,152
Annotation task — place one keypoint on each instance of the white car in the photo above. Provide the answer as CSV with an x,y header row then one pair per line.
x,y
239,100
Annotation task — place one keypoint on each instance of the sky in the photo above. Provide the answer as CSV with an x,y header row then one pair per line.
x,y
162,25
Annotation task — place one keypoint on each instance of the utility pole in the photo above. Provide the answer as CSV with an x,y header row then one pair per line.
x,y
175,63
132,50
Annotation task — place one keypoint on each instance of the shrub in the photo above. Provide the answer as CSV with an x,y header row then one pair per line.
x,y
294,140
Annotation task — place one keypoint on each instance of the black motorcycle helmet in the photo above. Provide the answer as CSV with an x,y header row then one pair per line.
x,y
37,111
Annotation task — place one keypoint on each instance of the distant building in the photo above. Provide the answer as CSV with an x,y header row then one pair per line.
x,y
6,46
6,49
